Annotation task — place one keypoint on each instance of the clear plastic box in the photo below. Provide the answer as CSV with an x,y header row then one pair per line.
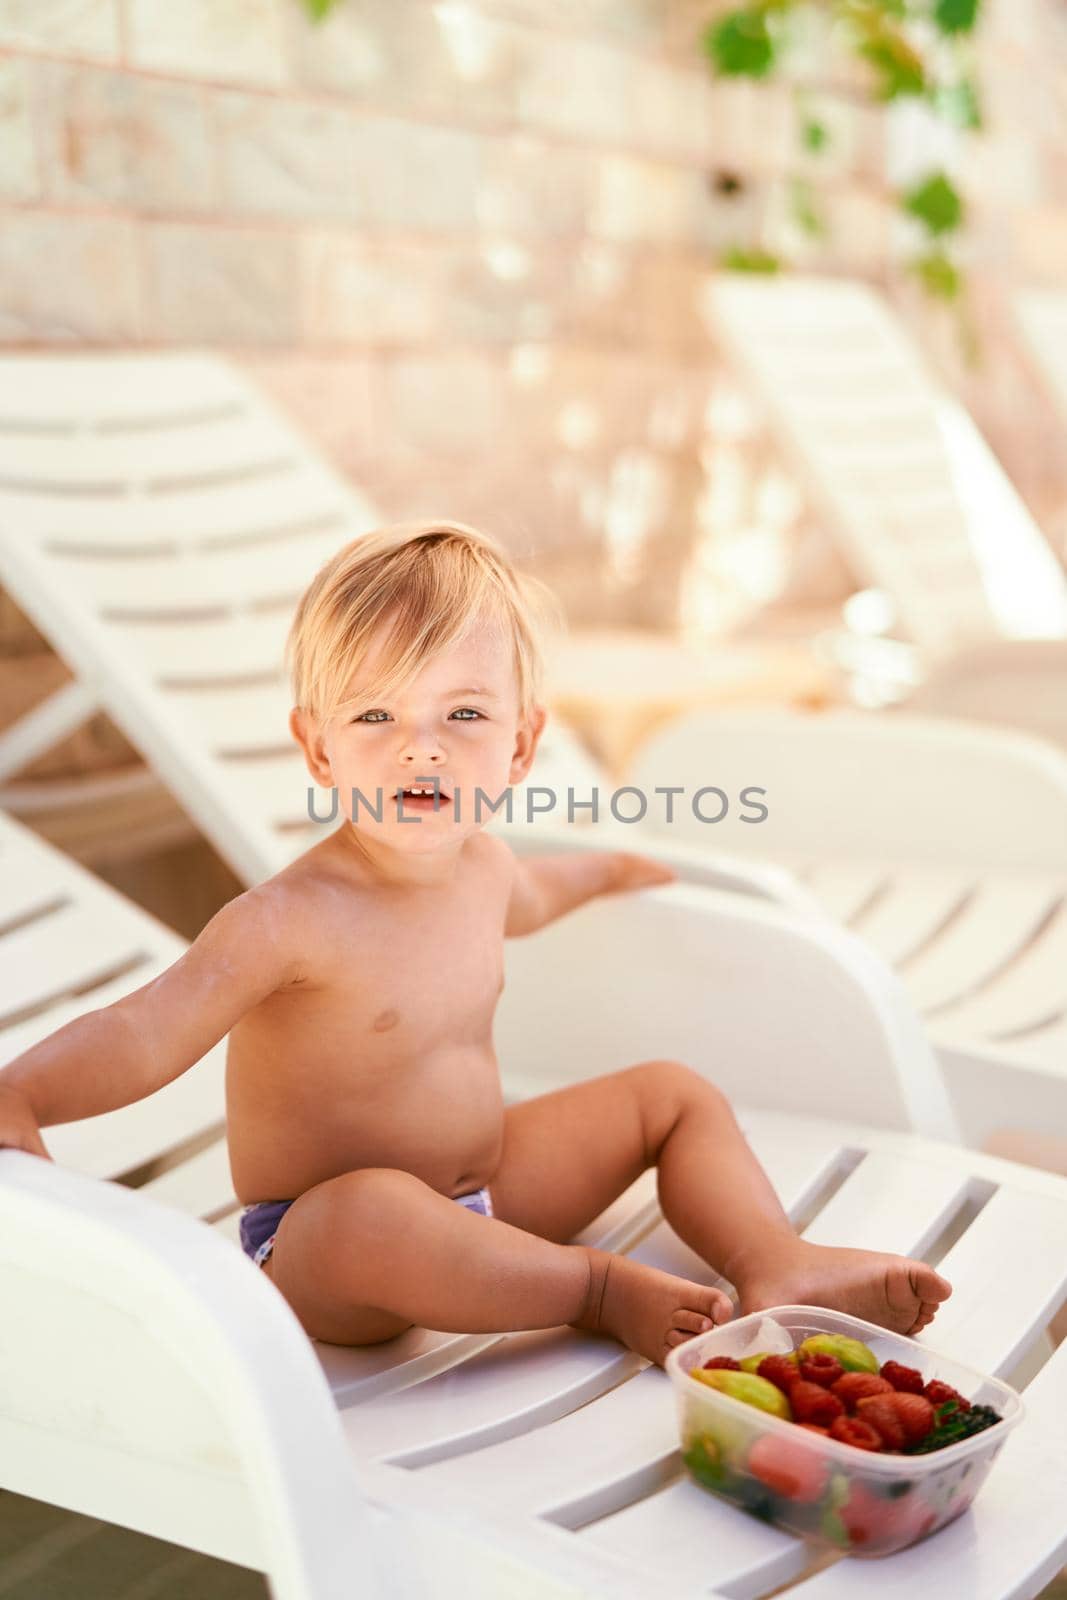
x,y
857,1501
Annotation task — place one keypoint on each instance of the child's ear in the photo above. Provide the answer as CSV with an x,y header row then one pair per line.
x,y
526,742
308,735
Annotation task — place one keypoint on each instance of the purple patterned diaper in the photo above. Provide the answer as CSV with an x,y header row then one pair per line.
x,y
259,1223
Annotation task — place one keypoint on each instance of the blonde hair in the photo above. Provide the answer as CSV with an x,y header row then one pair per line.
x,y
434,581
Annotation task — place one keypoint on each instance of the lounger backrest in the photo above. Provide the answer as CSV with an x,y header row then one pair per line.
x,y
158,520
736,988
151,1377
1042,318
69,944
908,488
846,784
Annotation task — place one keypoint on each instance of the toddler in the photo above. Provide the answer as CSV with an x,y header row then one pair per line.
x,y
384,1181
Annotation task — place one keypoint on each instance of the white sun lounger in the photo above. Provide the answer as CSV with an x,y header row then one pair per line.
x,y
158,520
943,846
905,484
151,1377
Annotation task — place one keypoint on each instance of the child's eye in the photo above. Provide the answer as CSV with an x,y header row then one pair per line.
x,y
370,716
466,713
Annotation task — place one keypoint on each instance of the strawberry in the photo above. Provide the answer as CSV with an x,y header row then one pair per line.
x,y
821,1369
724,1363
789,1468
855,1386
812,1403
885,1525
906,1379
852,1430
939,1394
880,1411
778,1370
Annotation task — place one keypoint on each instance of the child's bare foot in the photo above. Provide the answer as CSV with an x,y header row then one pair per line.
x,y
648,1310
893,1291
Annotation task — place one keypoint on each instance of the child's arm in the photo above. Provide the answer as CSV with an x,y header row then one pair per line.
x,y
123,1052
546,887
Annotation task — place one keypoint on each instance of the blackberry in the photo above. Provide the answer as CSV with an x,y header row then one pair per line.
x,y
955,1426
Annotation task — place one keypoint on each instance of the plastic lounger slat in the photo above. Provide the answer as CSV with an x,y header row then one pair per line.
x,y
73,948
197,581
1031,992
227,445
585,1466
998,923
100,390
14,1040
233,720
1009,1271
890,1203
119,1141
199,1185
916,906
229,646
844,888
253,510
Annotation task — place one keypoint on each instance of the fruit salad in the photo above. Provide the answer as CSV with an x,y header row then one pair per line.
x,y
842,1433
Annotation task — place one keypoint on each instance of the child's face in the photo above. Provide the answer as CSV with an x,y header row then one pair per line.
x,y
457,722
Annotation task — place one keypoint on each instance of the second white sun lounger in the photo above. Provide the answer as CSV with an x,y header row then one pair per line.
x,y
152,1377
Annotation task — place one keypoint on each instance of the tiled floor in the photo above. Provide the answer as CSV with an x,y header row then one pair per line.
x,y
47,1554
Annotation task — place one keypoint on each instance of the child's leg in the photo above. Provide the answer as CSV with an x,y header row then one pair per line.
x,y
567,1155
363,1256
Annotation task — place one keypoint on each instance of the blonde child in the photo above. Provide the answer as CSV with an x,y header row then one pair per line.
x,y
358,988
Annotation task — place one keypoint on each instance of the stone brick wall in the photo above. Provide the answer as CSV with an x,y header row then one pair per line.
x,y
462,240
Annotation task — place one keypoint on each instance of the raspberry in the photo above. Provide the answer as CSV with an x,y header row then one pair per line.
x,y
880,1411
821,1369
812,1403
907,1380
778,1370
855,1386
726,1363
939,1394
916,1416
853,1430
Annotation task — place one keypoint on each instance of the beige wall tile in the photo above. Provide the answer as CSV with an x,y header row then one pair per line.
x,y
446,60
222,285
19,176
83,27
232,40
127,140
67,280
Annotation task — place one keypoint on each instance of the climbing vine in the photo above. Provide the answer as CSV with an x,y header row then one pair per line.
x,y
911,50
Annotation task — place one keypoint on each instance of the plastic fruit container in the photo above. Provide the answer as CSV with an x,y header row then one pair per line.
x,y
856,1501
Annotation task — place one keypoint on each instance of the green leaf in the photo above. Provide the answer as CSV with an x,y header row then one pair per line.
x,y
740,44
958,103
814,135
936,203
940,276
738,259
956,16
899,67
317,10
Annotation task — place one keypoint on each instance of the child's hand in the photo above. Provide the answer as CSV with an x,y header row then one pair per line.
x,y
18,1125
638,872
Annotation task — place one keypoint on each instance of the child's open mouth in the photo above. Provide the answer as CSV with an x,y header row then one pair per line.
x,y
421,797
